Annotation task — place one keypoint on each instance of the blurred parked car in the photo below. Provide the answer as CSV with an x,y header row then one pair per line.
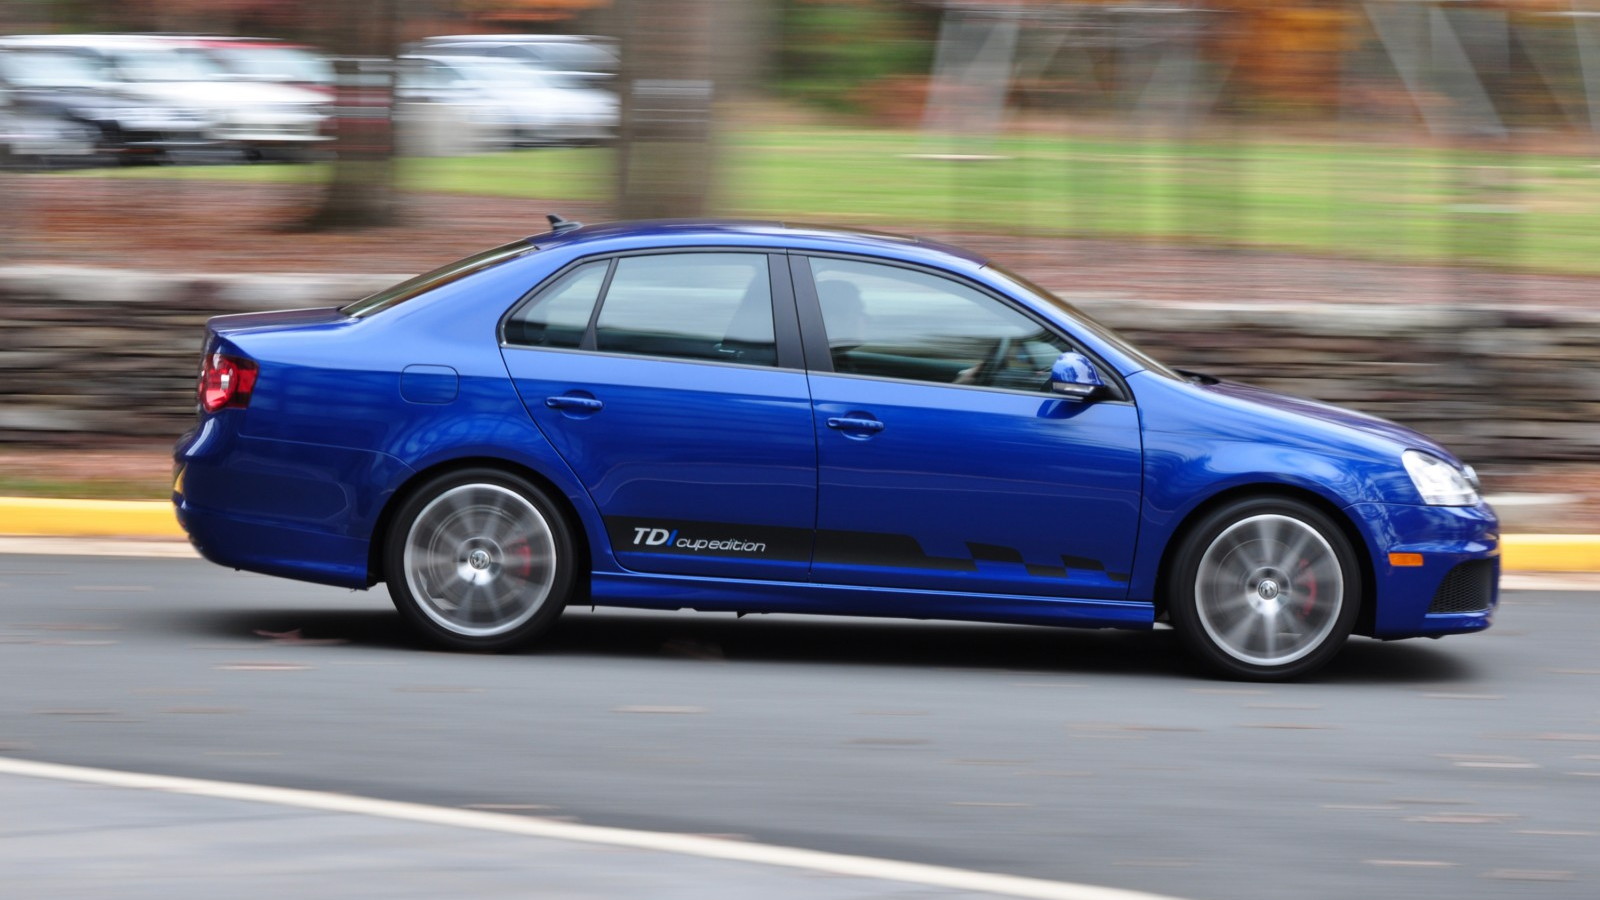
x,y
35,137
151,76
48,85
585,59
264,60
508,103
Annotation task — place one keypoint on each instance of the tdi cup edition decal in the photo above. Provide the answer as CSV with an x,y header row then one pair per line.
x,y
723,539
859,548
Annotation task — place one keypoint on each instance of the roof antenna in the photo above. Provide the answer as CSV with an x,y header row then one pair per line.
x,y
560,225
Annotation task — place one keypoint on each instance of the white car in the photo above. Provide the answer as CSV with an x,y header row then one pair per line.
x,y
153,72
509,103
588,60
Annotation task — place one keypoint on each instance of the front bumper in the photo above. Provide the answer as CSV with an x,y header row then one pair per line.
x,y
1455,590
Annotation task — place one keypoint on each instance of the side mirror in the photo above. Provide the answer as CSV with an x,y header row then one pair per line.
x,y
1074,378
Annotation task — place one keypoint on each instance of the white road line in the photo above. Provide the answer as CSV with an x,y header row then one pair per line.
x,y
664,842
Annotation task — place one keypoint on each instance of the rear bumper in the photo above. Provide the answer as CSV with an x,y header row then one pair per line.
x,y
1456,589
296,510
273,548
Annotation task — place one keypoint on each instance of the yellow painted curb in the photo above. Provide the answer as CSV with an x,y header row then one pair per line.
x,y
1550,552
154,518
88,518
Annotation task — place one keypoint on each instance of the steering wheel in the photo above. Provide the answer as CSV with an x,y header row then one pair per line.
x,y
995,364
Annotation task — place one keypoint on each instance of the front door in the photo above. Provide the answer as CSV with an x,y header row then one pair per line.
x,y
944,462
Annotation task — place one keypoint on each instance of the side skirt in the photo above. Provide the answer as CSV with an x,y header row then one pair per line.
x,y
669,592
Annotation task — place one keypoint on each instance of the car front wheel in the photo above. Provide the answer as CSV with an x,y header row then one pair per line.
x,y
1265,589
480,560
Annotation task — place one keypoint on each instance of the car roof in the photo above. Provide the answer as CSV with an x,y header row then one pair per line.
x,y
244,42
463,59
756,233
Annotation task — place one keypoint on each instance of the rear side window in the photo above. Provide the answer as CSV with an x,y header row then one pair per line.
x,y
389,298
713,306
559,314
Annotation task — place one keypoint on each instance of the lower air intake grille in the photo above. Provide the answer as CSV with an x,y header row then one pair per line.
x,y
1467,588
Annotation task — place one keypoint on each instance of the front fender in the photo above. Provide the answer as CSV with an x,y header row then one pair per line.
x,y
1184,472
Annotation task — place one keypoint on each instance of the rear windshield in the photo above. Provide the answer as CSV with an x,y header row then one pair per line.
x,y
416,287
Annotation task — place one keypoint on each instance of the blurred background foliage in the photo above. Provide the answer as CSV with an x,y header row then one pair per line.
x,y
1309,153
851,56
1436,130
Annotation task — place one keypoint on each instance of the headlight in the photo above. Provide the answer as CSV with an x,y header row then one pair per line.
x,y
1439,483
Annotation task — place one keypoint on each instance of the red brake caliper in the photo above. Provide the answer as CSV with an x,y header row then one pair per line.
x,y
519,559
1311,589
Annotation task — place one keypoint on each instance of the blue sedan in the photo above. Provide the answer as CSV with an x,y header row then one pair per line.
x,y
755,417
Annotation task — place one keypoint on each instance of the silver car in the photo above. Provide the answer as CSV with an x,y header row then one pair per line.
x,y
151,74
508,104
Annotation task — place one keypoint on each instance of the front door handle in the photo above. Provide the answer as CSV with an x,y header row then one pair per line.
x,y
569,402
854,423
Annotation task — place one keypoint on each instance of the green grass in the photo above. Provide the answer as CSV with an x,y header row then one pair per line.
x,y
1380,202
85,489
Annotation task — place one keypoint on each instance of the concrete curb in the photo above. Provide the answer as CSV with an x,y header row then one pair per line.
x,y
35,517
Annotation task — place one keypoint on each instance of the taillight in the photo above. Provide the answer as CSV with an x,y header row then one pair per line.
x,y
226,381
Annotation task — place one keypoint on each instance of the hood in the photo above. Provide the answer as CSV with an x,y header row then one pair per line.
x,y
1404,437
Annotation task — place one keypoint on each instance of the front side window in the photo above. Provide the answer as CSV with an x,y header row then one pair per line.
x,y
893,322
712,306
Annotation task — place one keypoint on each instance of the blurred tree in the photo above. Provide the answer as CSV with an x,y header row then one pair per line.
x,y
868,56
363,36
1287,54
667,84
12,234
518,14
278,18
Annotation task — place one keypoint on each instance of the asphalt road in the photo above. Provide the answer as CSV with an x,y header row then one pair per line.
x,y
1462,768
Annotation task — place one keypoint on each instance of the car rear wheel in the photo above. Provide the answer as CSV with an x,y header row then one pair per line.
x,y
1265,589
480,560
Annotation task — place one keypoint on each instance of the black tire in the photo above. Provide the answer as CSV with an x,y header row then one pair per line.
x,y
480,559
1264,589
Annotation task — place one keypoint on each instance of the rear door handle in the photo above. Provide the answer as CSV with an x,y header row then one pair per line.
x,y
566,402
853,423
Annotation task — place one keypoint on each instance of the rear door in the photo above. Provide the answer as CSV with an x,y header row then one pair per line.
x,y
672,383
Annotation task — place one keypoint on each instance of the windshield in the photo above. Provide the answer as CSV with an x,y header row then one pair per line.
x,y
578,57
389,298
49,68
276,62
502,73
1104,333
166,65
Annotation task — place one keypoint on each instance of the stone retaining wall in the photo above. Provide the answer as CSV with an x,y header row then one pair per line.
x,y
91,354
